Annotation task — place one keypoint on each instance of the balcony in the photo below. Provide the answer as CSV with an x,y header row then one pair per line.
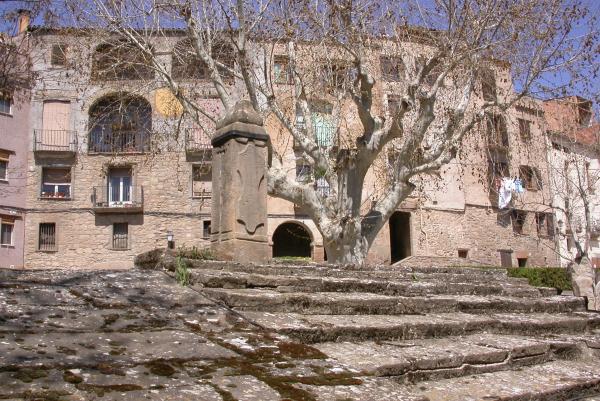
x,y
54,142
123,199
197,142
325,136
111,142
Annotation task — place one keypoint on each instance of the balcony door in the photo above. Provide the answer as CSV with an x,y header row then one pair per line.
x,y
119,186
56,119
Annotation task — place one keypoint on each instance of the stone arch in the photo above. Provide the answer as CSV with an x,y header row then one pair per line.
x,y
120,122
292,238
120,60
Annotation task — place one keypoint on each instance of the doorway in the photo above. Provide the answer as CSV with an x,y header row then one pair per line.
x,y
291,239
399,236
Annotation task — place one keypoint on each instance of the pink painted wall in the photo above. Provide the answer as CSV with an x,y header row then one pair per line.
x,y
14,138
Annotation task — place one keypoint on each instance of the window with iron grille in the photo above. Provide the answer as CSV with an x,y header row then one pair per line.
x,y
120,236
6,233
47,237
58,57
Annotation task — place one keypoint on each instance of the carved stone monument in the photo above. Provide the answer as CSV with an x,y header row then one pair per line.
x,y
239,186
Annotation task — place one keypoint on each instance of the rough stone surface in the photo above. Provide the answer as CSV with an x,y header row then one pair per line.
x,y
138,335
239,229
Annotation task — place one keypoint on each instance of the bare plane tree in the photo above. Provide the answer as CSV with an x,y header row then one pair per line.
x,y
311,68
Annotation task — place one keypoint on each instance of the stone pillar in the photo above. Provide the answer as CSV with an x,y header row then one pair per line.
x,y
239,187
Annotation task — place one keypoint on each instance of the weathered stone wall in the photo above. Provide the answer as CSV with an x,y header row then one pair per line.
x,y
85,236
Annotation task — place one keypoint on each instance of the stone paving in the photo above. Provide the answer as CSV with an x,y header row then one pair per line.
x,y
138,335
295,333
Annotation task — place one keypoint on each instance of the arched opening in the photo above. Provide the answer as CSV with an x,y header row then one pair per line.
x,y
291,239
121,60
399,236
186,64
120,123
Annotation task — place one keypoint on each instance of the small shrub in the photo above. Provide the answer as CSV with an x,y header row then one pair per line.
x,y
182,274
195,253
553,277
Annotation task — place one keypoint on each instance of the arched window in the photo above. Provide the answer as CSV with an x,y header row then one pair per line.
x,y
120,123
187,64
120,61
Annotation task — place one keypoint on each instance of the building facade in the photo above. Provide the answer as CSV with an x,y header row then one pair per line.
x,y
574,161
113,168
14,139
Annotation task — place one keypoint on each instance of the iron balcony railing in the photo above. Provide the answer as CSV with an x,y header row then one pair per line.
x,y
49,140
325,137
121,198
134,141
197,140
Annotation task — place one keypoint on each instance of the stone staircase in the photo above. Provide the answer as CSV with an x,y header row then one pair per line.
x,y
421,333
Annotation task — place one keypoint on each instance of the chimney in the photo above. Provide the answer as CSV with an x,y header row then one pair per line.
x,y
23,20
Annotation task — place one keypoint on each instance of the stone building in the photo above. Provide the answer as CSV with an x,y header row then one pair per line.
x,y
574,162
114,168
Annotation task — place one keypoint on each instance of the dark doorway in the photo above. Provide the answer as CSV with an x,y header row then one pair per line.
x,y
291,239
399,236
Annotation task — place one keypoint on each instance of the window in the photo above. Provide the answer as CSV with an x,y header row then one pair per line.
x,y
120,60
496,130
303,173
56,183
322,187
522,262
589,178
282,71
186,64
5,104
393,103
518,221
463,253
120,236
497,170
531,178
206,229
338,75
201,180
488,84
120,124
58,56
6,232
120,188
47,237
392,68
3,169
524,130
545,224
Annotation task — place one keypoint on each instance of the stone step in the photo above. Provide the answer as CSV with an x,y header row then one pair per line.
x,y
216,279
325,328
411,361
558,380
552,381
454,273
336,303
